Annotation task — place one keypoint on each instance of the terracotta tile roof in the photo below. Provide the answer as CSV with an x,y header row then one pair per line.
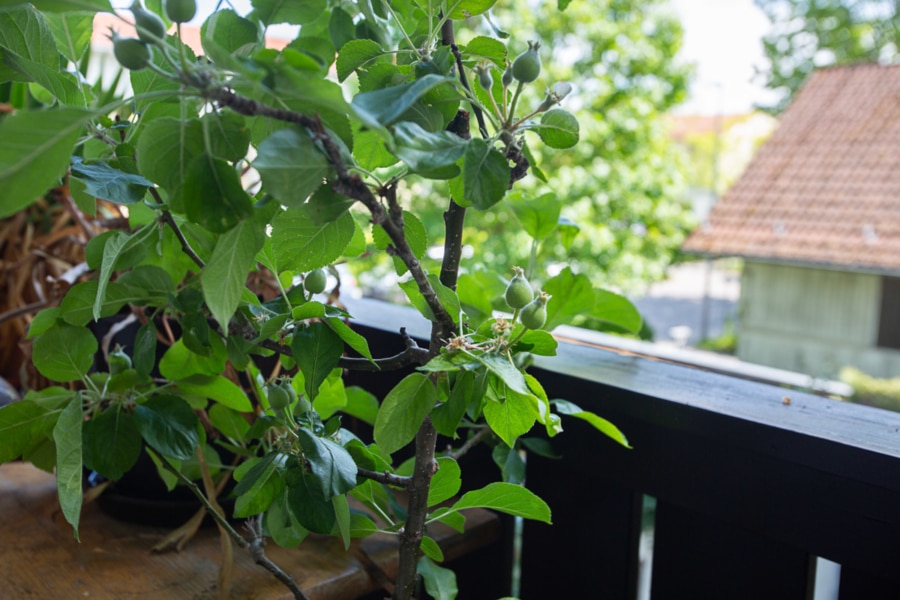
x,y
825,188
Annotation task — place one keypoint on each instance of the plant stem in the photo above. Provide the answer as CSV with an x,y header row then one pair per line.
x,y
255,548
414,530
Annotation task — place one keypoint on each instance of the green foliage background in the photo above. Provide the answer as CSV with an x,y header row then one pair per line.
x,y
808,34
622,185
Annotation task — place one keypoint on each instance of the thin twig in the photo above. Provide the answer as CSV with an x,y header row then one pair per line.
x,y
470,443
169,220
412,355
257,552
385,478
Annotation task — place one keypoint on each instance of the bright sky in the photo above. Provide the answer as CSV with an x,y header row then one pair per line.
x,y
722,37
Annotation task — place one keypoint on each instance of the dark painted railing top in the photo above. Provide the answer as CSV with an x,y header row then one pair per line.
x,y
864,427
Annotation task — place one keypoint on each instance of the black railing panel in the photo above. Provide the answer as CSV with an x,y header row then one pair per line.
x,y
774,471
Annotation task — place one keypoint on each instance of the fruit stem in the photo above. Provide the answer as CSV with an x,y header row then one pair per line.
x,y
512,106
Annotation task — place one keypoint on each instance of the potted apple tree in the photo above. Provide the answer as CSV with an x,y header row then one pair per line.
x,y
291,161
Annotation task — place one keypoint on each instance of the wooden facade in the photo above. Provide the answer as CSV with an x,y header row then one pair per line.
x,y
815,321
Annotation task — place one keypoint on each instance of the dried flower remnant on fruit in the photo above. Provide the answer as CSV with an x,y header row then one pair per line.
x,y
501,327
458,343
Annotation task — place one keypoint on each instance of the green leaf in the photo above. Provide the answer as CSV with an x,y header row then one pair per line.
x,y
572,296
382,107
149,280
144,357
440,582
502,367
342,516
331,464
306,502
63,5
226,31
107,183
259,486
463,9
326,205
72,32
559,128
511,464
512,416
22,424
295,12
30,54
370,151
165,149
446,481
35,153
506,498
350,337
212,194
355,54
225,274
425,150
114,250
431,549
332,396
64,352
112,443
486,47
67,437
361,404
341,27
290,166
616,309
283,526
403,411
179,363
485,174
564,407
77,307
446,416
539,215
229,422
168,425
537,342
229,135
43,321
316,349
300,245
218,388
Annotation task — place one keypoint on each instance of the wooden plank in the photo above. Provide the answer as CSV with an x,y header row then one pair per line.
x,y
40,559
697,557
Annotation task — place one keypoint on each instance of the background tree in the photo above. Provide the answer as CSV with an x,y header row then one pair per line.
x,y
620,189
807,34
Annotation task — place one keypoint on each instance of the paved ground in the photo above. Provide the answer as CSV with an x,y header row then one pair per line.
x,y
674,308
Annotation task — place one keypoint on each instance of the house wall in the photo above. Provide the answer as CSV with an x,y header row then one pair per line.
x,y
814,321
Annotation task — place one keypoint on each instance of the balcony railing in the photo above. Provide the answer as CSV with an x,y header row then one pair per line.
x,y
752,484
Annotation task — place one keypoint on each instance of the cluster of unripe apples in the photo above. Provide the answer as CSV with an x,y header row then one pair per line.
x,y
519,295
134,53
